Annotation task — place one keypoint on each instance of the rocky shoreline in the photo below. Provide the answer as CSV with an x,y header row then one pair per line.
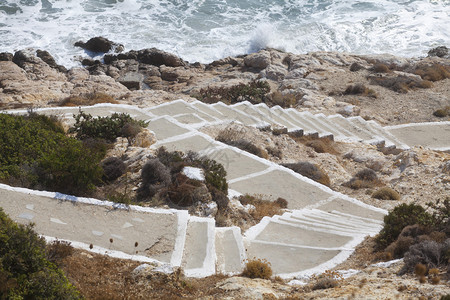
x,y
388,89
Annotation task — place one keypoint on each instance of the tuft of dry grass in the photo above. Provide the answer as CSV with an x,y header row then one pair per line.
x,y
257,268
381,68
88,99
263,208
311,171
236,139
386,193
320,145
420,269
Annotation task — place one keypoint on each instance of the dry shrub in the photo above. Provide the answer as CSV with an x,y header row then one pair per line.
x,y
309,170
435,280
429,253
366,178
442,112
435,72
422,279
113,168
386,193
359,89
281,202
401,84
155,176
381,68
257,268
325,283
88,99
182,192
263,208
400,246
420,270
58,250
283,100
320,145
356,67
274,152
234,138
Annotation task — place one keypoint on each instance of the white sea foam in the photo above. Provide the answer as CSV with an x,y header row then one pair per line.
x,y
205,30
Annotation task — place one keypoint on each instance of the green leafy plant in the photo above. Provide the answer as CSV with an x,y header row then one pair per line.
x,y
400,217
107,128
25,272
35,153
253,92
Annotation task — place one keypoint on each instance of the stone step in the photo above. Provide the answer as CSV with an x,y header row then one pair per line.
x,y
308,127
378,135
355,209
208,109
277,115
235,115
230,252
199,248
359,133
340,134
247,108
323,130
178,107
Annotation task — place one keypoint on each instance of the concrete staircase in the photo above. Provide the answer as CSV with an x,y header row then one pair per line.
x,y
320,229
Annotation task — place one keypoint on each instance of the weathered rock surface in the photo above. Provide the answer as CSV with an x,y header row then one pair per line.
x,y
100,44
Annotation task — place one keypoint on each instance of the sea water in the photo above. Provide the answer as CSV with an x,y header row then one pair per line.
x,y
206,30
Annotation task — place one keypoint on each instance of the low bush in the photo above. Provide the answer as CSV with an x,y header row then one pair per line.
x,y
182,191
113,168
35,153
325,283
249,147
273,151
309,170
380,68
107,128
359,89
283,100
435,72
399,218
442,112
263,207
257,268
366,178
386,193
155,176
25,272
58,250
320,145
401,84
88,99
253,92
429,253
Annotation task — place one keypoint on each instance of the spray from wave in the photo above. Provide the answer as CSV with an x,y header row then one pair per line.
x,y
206,30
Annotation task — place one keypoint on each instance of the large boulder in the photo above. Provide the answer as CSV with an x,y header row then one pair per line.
x,y
100,44
49,60
158,58
6,56
440,51
259,60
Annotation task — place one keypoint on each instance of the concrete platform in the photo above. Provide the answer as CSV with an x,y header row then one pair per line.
x,y
352,208
164,128
434,135
195,142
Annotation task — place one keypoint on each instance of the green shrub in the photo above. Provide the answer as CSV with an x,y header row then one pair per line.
x,y
400,217
107,128
35,153
253,92
25,272
386,193
257,268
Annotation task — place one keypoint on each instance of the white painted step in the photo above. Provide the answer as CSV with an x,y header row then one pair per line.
x,y
308,128
234,114
199,249
358,132
178,107
249,109
277,116
323,130
230,251
340,134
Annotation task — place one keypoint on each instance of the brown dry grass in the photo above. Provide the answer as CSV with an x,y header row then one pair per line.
x,y
401,84
320,145
263,207
435,72
103,277
88,99
386,193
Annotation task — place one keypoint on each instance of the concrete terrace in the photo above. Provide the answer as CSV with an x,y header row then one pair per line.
x,y
320,229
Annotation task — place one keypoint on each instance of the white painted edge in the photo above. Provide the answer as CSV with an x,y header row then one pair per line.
x,y
180,240
416,124
90,201
104,251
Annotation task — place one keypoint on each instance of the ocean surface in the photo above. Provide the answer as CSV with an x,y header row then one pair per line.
x,y
206,30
